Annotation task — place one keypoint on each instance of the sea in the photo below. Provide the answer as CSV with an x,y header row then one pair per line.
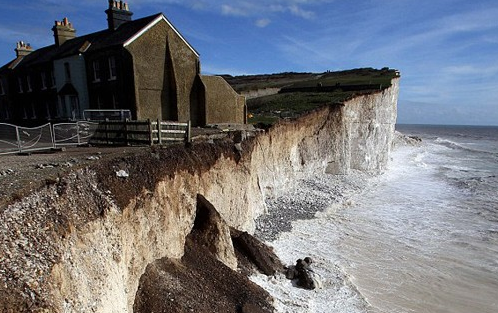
x,y
421,237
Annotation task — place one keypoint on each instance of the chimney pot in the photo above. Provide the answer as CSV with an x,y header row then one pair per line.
x,y
118,13
63,31
23,49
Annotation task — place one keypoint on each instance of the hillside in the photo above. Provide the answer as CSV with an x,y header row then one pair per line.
x,y
298,93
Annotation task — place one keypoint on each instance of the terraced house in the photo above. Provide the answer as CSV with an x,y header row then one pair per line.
x,y
143,65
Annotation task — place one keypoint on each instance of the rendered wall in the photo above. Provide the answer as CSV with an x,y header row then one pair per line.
x,y
165,69
222,103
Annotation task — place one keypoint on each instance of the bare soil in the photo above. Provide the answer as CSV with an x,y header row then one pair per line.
x,y
20,175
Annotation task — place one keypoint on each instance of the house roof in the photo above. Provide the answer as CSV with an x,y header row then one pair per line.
x,y
96,41
158,18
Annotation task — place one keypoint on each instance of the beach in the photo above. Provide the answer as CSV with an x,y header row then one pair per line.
x,y
415,239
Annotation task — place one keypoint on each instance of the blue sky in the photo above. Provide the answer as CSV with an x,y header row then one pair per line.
x,y
446,50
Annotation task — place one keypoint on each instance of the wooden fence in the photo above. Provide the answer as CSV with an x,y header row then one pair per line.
x,y
140,132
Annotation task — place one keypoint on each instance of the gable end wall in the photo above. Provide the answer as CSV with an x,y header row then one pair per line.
x,y
158,74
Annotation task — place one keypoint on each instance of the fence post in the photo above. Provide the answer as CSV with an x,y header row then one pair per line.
x,y
78,132
126,131
159,132
106,122
18,139
52,135
151,137
189,136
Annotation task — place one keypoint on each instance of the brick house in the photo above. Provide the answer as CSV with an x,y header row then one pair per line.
x,y
144,65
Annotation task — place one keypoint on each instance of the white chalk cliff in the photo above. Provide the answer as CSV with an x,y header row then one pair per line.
x,y
112,232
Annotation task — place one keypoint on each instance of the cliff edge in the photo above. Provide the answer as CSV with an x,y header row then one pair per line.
x,y
83,242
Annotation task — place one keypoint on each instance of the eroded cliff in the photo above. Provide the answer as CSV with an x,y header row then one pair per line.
x,y
93,234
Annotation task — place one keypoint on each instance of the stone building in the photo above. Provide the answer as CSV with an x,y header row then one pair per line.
x,y
143,65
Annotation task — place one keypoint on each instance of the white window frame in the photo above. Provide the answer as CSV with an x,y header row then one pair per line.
x,y
33,111
47,111
112,67
28,83
19,84
52,79
43,76
96,71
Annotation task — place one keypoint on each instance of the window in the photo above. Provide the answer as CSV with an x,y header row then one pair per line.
x,y
52,79
114,102
112,68
96,71
43,80
6,112
67,72
47,111
28,81
19,84
33,111
2,91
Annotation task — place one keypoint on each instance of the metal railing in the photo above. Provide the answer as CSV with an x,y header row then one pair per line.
x,y
17,139
106,115
70,134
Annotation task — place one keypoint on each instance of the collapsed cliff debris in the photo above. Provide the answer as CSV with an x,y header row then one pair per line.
x,y
303,275
199,281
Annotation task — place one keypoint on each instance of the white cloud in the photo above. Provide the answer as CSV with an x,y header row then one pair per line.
x,y
300,8
296,10
233,10
263,22
471,69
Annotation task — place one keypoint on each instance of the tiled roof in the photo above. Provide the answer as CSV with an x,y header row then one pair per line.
x,y
87,43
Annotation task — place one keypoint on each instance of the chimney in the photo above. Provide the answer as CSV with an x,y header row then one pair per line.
x,y
117,14
63,31
23,49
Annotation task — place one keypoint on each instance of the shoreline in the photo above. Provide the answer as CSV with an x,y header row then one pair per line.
x,y
287,234
309,196
286,226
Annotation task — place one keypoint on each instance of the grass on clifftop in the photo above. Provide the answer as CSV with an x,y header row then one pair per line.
x,y
269,109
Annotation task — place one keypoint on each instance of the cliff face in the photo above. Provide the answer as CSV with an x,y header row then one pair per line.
x,y
99,232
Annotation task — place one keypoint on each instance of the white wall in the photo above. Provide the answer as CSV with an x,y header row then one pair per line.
x,y
78,80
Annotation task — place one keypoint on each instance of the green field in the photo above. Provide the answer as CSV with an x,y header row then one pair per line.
x,y
269,109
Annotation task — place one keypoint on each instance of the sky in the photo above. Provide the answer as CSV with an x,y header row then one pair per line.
x,y
446,50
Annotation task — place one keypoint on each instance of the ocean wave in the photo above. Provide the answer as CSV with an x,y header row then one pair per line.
x,y
458,146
